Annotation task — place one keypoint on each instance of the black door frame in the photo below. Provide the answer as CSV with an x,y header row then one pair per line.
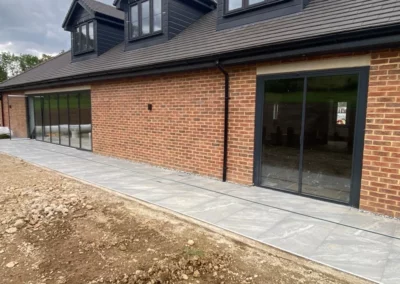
x,y
359,131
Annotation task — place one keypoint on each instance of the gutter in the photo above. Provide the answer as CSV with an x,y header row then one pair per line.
x,y
226,120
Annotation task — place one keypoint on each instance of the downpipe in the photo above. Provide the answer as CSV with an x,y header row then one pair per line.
x,y
226,120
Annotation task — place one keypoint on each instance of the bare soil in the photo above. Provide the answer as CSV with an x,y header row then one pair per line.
x,y
54,229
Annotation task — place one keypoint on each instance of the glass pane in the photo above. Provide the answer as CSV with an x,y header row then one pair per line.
x,y
64,134
77,40
282,115
134,21
145,17
55,136
91,36
328,141
251,2
86,121
46,119
234,4
157,15
84,37
74,120
38,118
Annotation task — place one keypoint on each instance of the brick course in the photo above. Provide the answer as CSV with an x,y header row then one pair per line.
x,y
17,115
380,191
184,130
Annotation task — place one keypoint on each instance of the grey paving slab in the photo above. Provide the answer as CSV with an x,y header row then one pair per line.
x,y
355,251
298,234
338,236
216,209
252,221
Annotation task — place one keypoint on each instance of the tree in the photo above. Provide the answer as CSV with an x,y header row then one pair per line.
x,y
12,65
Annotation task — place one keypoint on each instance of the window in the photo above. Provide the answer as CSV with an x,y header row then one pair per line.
x,y
145,18
234,5
341,114
84,38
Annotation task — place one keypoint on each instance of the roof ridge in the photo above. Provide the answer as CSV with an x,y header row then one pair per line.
x,y
34,67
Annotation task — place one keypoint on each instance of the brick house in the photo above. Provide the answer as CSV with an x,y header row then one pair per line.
x,y
293,95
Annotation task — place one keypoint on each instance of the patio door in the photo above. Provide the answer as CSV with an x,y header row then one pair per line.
x,y
309,133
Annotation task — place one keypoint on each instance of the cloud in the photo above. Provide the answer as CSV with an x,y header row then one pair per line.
x,y
34,26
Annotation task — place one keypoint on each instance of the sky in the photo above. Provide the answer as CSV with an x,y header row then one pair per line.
x,y
34,26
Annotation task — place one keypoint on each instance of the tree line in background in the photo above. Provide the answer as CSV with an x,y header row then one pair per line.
x,y
11,64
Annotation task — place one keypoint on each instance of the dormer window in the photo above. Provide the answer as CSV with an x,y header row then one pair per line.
x,y
84,38
145,18
240,5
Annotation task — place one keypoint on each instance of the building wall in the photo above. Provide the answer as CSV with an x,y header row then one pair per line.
x,y
17,113
380,190
184,130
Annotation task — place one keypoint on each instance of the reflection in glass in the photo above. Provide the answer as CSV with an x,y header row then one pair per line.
x,y
157,15
84,37
234,4
46,119
251,2
283,103
91,36
329,136
145,17
64,132
134,21
38,118
86,121
55,136
74,120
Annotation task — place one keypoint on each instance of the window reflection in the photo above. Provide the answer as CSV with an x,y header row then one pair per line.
x,y
64,119
145,17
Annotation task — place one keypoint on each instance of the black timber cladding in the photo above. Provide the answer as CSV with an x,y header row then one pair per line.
x,y
177,15
181,15
320,19
107,22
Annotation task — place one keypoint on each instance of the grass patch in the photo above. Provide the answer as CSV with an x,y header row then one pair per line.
x,y
193,252
4,136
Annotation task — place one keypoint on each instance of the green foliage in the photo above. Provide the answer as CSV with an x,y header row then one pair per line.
x,y
11,65
4,136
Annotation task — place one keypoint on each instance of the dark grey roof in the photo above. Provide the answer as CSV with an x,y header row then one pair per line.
x,y
104,9
319,18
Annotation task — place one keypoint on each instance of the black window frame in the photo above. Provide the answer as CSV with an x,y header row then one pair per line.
x,y
248,7
151,16
76,35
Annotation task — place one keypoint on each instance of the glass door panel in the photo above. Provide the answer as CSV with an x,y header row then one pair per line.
x,y
86,121
55,135
282,116
37,103
74,120
46,119
329,136
64,120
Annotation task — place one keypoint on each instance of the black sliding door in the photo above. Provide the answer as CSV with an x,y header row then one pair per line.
x,y
309,133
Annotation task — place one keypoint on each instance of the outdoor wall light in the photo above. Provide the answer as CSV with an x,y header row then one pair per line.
x,y
150,107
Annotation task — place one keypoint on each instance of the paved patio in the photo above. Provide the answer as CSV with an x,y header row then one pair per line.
x,y
358,243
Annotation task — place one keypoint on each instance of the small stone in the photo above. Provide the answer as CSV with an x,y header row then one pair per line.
x,y
1,251
11,230
89,207
184,277
190,242
196,274
11,264
19,224
122,247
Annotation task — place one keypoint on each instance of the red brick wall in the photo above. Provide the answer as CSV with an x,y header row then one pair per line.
x,y
185,129
380,190
17,115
